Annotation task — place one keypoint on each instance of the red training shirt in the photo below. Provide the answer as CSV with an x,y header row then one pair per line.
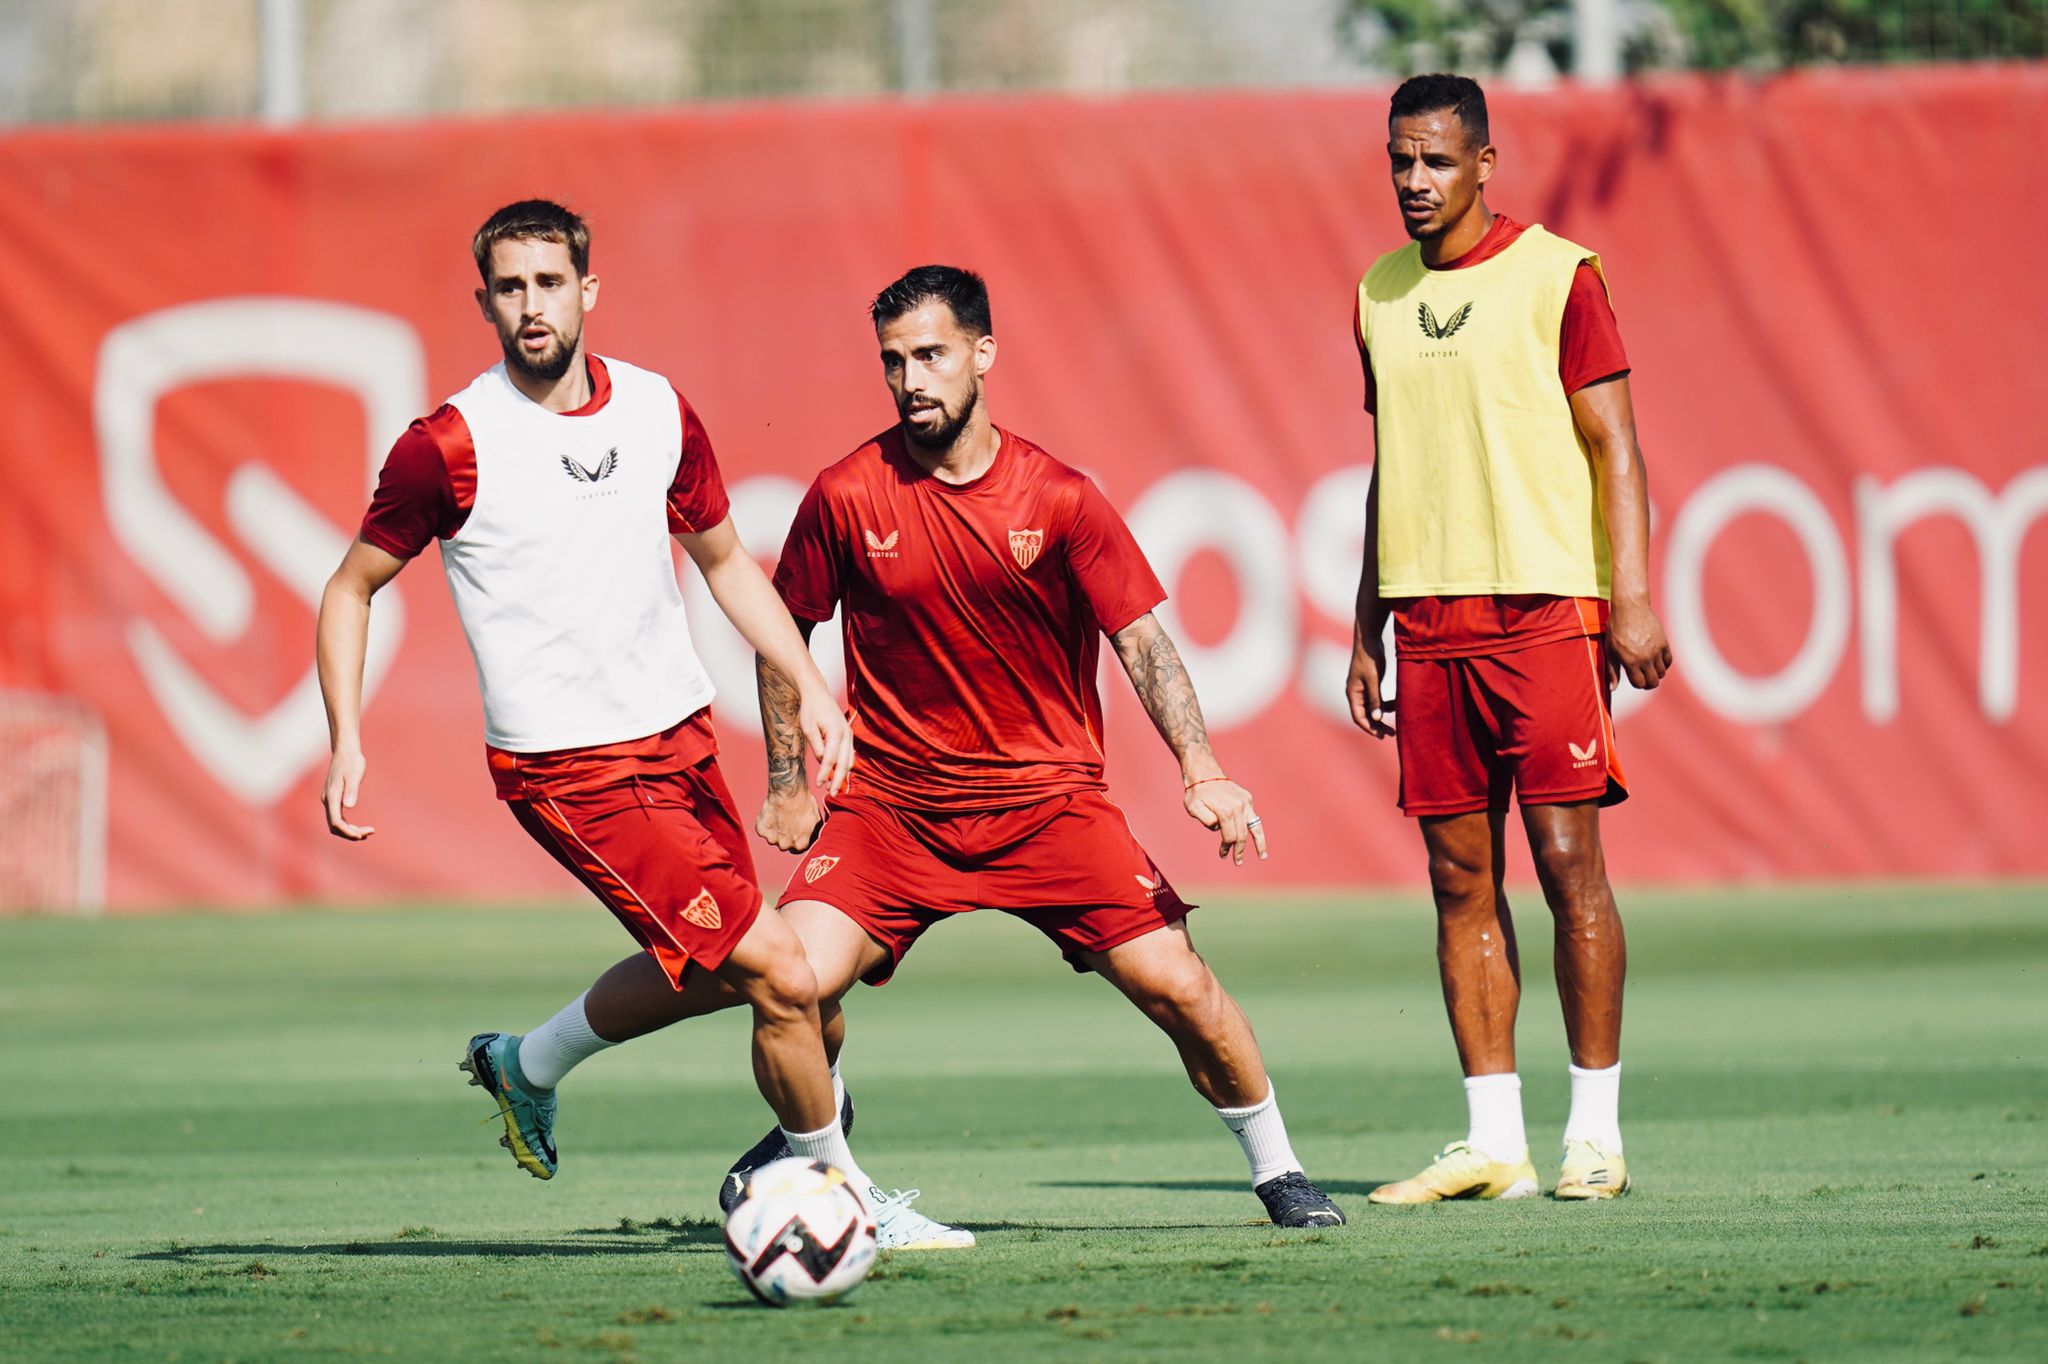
x,y
973,614
1589,349
424,493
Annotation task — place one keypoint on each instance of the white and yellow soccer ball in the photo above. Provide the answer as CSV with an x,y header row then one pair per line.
x,y
800,1235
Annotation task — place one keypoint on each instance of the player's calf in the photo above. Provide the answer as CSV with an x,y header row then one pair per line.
x,y
1164,976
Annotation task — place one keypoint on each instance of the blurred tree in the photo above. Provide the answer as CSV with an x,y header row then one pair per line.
x,y
777,47
1405,36
1771,33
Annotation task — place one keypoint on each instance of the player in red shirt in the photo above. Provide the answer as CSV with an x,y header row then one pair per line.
x,y
552,484
1497,689
975,575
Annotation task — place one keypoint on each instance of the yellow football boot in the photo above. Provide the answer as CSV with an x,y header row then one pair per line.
x,y
1589,1171
1462,1171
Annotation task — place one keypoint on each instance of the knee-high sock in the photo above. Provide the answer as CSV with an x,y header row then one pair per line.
x,y
1596,1107
828,1144
1262,1132
556,1047
1495,1104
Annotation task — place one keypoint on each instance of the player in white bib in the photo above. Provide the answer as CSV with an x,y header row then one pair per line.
x,y
552,484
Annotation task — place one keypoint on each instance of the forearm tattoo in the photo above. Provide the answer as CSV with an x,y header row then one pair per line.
x,y
1163,685
779,703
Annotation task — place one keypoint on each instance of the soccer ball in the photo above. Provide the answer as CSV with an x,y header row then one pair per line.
x,y
800,1235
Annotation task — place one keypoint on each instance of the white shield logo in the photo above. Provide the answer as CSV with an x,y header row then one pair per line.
x,y
373,355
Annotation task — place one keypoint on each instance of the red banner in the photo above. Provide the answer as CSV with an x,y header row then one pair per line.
x,y
1836,327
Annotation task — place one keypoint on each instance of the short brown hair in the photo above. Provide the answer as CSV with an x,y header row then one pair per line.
x,y
532,220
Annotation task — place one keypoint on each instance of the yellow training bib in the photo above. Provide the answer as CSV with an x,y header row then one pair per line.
x,y
1485,484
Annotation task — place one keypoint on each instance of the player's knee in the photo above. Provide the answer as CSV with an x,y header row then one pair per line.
x,y
787,988
1570,868
1183,998
1460,884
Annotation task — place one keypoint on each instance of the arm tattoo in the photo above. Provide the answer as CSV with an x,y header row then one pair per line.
x,y
1162,683
779,723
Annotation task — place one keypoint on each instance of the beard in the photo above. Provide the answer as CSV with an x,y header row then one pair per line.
x,y
942,435
1432,226
550,365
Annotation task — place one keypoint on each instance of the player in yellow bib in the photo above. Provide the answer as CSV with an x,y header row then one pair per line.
x,y
1507,536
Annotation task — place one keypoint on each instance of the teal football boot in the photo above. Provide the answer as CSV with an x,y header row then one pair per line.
x,y
492,1061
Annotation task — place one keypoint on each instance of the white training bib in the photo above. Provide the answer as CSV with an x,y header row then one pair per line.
x,y
562,575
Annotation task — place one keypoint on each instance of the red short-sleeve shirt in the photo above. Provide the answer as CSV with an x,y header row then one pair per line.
x,y
429,479
974,615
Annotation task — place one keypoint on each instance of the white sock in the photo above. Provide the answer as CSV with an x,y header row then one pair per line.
x,y
1495,1103
554,1048
838,1090
1596,1108
828,1144
1262,1132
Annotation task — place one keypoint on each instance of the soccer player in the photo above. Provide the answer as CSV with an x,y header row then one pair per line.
x,y
975,575
553,482
1507,533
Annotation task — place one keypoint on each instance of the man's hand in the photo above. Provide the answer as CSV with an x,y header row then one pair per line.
x,y
790,818
1368,668
830,737
1636,646
1221,804
1162,684
341,640
344,782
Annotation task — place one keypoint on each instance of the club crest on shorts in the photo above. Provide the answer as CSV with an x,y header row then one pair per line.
x,y
702,911
1024,546
817,867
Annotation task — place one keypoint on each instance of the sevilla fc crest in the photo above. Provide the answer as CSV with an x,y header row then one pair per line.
x,y
817,867
1024,546
702,911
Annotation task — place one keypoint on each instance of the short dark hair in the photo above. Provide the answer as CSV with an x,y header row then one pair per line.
x,y
1459,94
965,292
532,220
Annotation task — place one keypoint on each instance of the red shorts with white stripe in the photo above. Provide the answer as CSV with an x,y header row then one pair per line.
x,y
1536,721
1068,866
666,853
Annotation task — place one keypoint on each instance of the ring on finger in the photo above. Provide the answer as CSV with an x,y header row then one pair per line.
x,y
1254,822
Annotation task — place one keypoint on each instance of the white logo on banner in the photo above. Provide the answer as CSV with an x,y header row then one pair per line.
x,y
374,356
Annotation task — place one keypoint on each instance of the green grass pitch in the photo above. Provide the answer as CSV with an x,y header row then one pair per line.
x,y
244,1138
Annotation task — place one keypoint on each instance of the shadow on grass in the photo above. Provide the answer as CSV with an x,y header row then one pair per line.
x,y
1349,1187
662,1238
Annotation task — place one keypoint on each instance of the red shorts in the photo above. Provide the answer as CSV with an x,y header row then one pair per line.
x,y
666,853
1536,720
1069,866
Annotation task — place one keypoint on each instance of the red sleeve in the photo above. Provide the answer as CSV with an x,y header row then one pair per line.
x,y
1589,339
1372,396
426,488
1109,568
807,574
696,499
